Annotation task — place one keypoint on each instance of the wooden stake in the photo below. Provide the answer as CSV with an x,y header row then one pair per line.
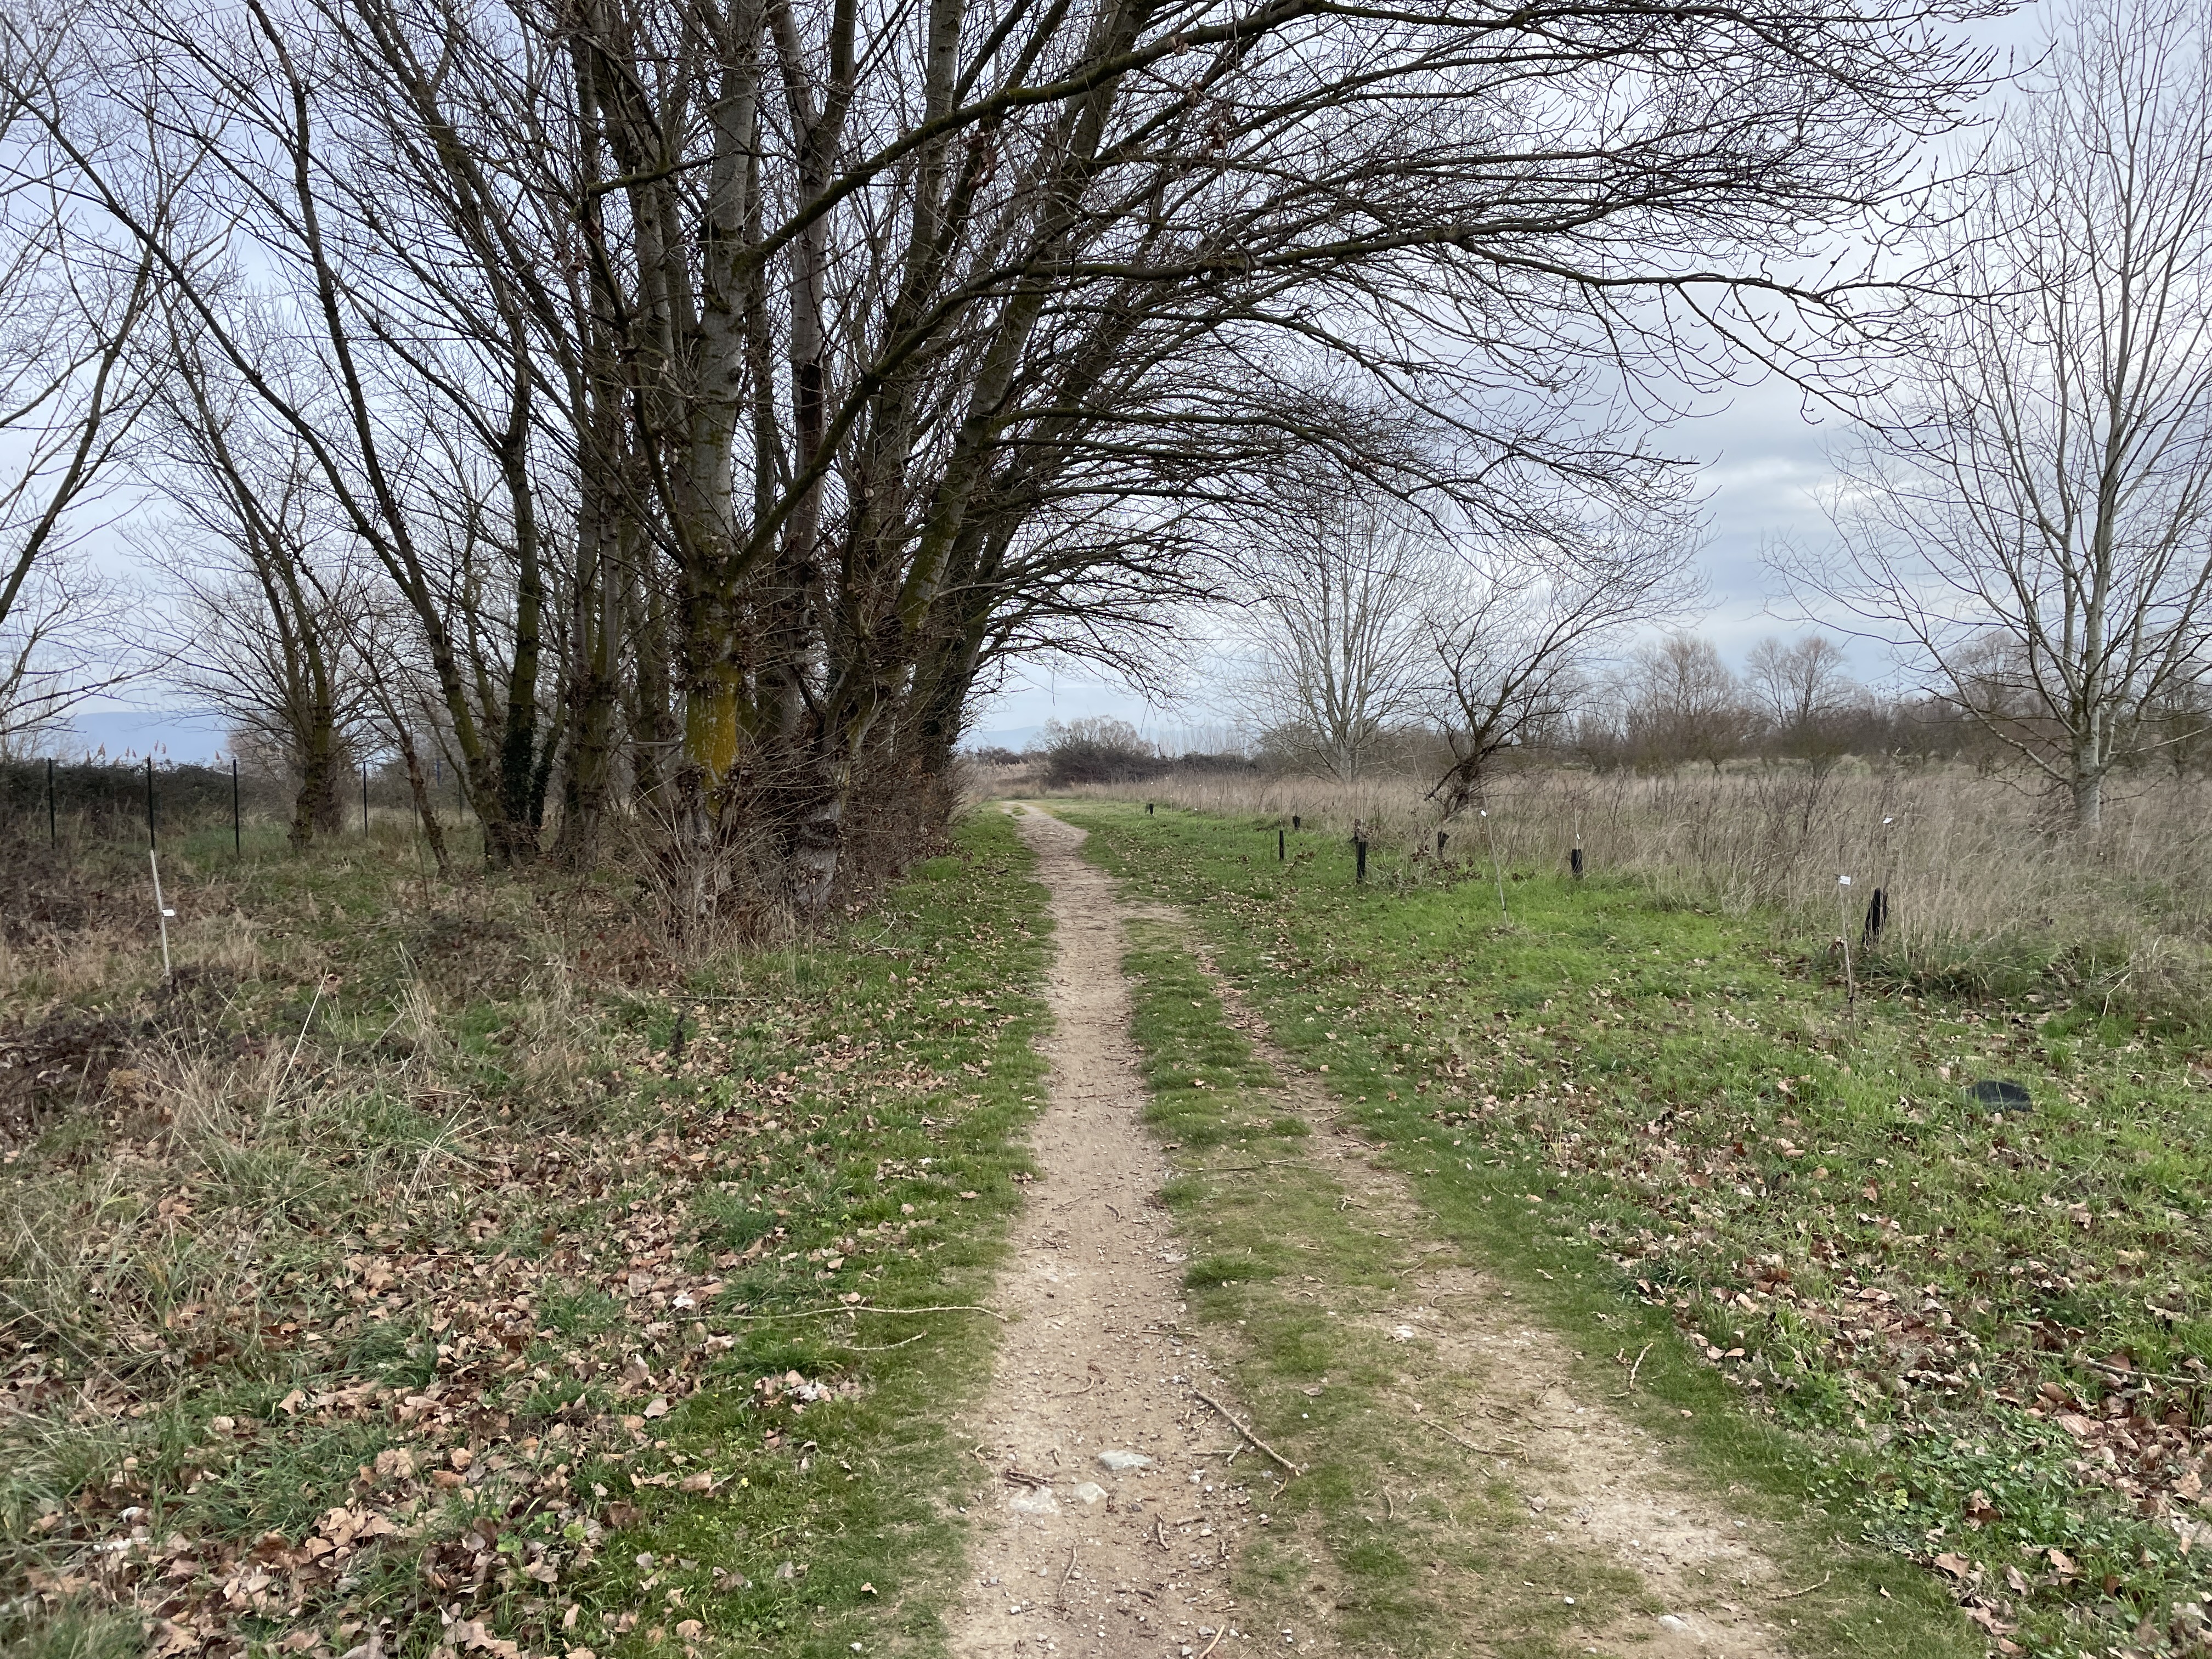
x,y
1850,981
1497,869
161,912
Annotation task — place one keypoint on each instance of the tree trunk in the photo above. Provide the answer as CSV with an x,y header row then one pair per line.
x,y
315,809
585,780
425,809
2088,790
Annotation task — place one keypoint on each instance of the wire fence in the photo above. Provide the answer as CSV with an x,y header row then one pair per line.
x,y
53,800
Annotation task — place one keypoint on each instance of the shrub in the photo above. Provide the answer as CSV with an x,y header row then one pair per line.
x,y
1098,749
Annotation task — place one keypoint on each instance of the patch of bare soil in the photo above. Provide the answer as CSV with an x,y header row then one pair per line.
x,y
1116,1517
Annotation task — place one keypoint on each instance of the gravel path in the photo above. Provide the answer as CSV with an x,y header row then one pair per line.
x,y
1082,1557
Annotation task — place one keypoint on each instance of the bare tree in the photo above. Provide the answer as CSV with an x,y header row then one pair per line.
x,y
1518,631
263,592
401,699
70,389
1341,582
1683,704
1806,696
2031,510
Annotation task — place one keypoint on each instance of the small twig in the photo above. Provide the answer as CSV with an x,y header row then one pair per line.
x,y
1220,1632
869,1307
313,1003
1069,1574
1246,1432
878,1347
1486,1451
1637,1367
1160,1534
1070,1393
2122,1373
1791,1595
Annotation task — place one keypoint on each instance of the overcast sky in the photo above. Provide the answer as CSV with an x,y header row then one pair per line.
x,y
1761,467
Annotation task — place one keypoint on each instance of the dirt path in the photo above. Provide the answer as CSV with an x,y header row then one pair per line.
x,y
1588,1476
1083,1557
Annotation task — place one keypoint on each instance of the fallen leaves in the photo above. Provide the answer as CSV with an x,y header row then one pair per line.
x,y
463,1442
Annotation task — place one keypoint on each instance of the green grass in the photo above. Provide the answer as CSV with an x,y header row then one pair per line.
x,y
853,1492
462,1243
1674,1105
1303,1285
1391,1539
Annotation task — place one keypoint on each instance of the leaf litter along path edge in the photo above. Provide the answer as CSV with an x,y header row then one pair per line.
x,y
1094,1559
1594,1479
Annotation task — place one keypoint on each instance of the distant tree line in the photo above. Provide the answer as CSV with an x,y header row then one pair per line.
x,y
1676,704
1672,703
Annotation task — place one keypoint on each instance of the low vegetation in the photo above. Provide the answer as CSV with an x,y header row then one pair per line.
x,y
433,1268
1979,1336
1411,1523
1985,892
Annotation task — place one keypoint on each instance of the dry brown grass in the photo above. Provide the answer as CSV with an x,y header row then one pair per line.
x,y
1980,876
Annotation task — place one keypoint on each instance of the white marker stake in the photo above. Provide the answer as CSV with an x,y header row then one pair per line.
x,y
1850,981
1495,867
161,911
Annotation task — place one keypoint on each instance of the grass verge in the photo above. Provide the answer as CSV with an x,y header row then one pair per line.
x,y
422,1278
1974,1339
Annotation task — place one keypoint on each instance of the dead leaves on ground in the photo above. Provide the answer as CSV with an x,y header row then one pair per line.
x,y
531,1315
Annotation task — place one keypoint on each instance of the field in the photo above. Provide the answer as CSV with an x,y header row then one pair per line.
x,y
358,1279
1988,892
430,1269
